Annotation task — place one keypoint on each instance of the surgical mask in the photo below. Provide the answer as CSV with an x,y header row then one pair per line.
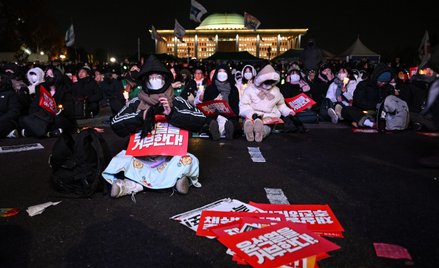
x,y
33,78
267,86
342,76
222,76
248,76
295,77
155,84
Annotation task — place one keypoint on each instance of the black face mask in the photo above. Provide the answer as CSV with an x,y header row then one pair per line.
x,y
50,81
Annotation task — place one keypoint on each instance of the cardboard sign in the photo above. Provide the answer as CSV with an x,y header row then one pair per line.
x,y
212,218
272,120
165,139
277,245
191,219
20,148
391,251
364,130
319,218
413,71
47,102
216,107
300,102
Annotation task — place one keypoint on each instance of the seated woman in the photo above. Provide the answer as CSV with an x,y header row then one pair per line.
x,y
154,172
248,75
223,88
52,109
262,100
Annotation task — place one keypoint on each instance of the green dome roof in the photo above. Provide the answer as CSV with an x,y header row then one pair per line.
x,y
222,21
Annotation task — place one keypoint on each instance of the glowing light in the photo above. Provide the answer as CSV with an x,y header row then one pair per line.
x,y
112,59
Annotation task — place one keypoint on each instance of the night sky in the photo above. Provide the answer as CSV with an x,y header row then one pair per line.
x,y
383,26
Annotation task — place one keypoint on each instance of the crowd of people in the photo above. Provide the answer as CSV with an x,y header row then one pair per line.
x,y
45,101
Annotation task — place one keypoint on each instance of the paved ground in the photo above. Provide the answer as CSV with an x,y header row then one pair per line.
x,y
371,181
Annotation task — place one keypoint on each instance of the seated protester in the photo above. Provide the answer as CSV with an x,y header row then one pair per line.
x,y
113,91
319,88
368,94
248,75
130,83
35,76
9,108
262,100
193,91
11,70
294,86
155,98
340,93
52,110
223,88
86,90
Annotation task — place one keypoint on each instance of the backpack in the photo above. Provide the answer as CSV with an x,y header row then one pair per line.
x,y
393,114
78,162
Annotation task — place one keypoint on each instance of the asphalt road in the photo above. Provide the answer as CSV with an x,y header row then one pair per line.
x,y
372,182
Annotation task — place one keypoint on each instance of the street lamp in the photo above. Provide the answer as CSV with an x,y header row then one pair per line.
x,y
42,53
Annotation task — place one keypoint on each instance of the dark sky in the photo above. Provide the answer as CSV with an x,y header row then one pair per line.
x,y
383,26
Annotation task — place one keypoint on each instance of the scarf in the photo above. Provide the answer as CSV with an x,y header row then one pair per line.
x,y
224,89
265,94
150,106
339,85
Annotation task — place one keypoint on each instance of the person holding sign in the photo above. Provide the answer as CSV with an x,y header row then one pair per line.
x,y
156,99
223,88
262,101
51,111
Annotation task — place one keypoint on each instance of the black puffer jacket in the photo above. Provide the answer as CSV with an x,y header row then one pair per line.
x,y
9,103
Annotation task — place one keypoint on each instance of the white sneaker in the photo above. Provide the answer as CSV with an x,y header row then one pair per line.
x,y
333,115
13,134
125,187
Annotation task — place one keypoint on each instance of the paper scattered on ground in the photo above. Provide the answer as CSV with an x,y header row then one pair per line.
x,y
256,155
20,148
276,196
391,251
38,209
8,212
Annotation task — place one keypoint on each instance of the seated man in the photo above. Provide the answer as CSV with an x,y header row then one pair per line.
x,y
9,108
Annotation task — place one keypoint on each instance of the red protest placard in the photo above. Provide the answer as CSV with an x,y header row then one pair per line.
x,y
165,139
46,101
319,218
216,107
272,120
277,245
211,218
300,102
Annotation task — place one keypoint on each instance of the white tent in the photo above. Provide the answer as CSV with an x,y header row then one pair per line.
x,y
359,51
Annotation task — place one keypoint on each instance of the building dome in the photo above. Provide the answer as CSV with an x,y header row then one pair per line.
x,y
222,21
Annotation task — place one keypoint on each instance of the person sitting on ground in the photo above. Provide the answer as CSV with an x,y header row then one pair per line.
x,y
52,110
368,94
35,76
12,71
154,172
223,88
248,75
340,93
262,100
86,89
9,108
194,90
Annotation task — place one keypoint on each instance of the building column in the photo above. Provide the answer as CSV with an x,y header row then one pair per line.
x,y
237,42
258,40
278,45
175,47
216,42
196,46
300,41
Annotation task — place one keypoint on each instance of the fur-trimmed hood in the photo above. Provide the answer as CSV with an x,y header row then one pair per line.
x,y
267,73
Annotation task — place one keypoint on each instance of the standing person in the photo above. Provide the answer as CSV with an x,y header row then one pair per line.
x,y
311,56
262,100
154,172
223,88
9,108
113,90
86,92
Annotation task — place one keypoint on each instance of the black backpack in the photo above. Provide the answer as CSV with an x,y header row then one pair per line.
x,y
77,163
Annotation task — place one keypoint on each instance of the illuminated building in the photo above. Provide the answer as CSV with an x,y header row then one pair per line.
x,y
226,33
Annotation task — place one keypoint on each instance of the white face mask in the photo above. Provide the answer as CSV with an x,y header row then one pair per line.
x,y
222,76
248,76
155,84
342,76
295,77
267,86
33,78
